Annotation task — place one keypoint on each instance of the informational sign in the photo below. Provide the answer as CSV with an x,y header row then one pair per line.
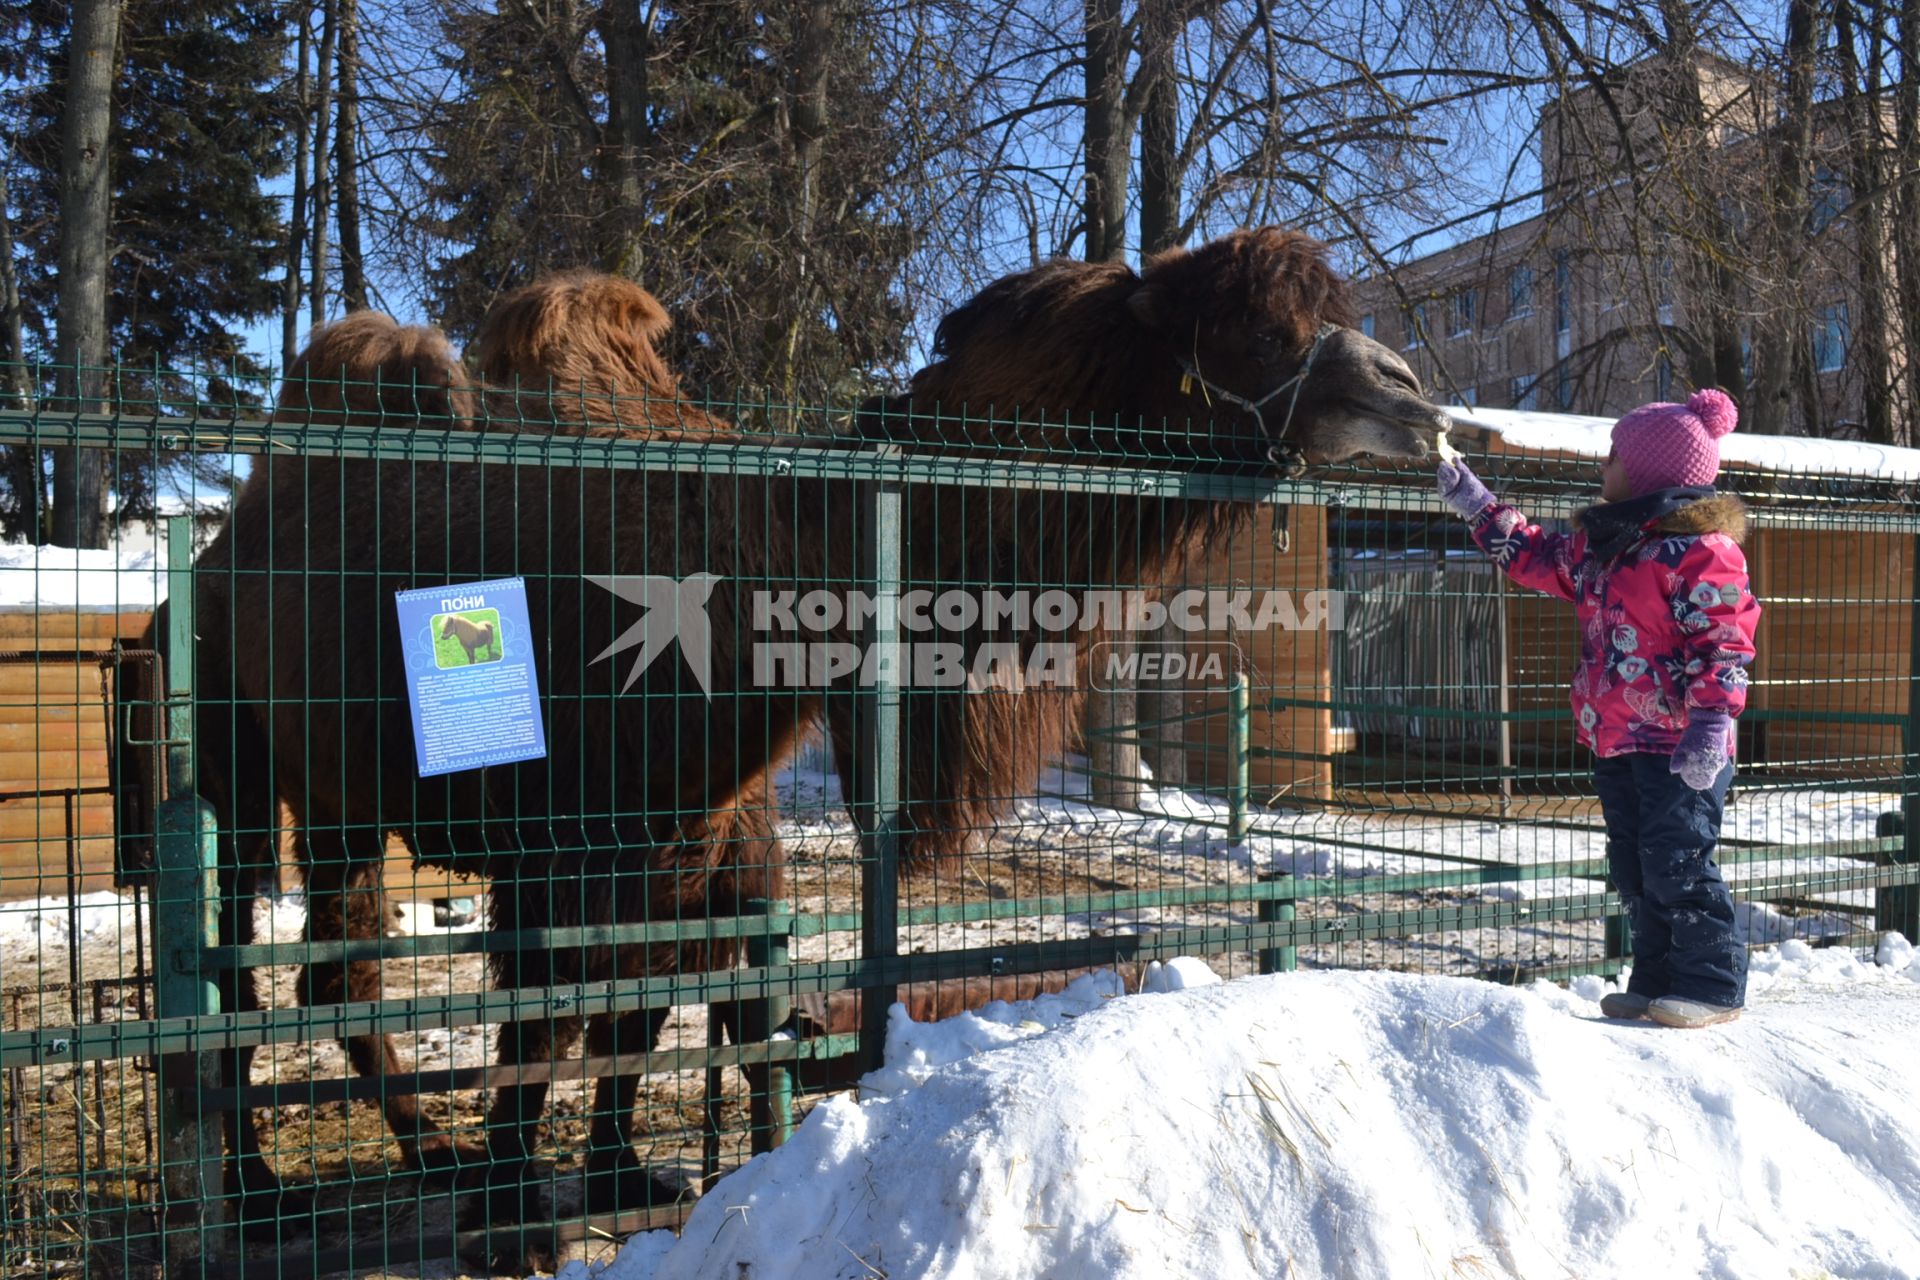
x,y
470,679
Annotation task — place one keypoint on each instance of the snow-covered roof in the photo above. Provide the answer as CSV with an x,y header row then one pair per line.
x,y
127,580
1591,437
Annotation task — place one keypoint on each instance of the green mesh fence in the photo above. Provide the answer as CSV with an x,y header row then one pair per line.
x,y
840,707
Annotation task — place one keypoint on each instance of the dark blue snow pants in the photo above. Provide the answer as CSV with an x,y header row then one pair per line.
x,y
1661,835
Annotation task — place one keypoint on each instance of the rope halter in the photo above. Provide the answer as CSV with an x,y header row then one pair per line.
x,y
1190,368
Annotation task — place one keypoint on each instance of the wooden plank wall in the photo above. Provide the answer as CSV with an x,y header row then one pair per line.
x,y
53,742
1281,663
1835,635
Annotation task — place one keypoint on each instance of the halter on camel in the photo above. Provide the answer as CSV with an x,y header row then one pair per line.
x,y
1279,449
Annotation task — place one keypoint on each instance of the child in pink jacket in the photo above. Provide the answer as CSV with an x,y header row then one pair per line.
x,y
1667,622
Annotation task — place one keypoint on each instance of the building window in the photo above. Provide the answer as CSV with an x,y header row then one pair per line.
x,y
1524,391
1469,396
1562,292
1663,378
1520,292
1828,198
1465,309
1563,387
1830,339
1663,281
1366,324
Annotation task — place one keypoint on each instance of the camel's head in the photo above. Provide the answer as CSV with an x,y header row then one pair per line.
x,y
1260,326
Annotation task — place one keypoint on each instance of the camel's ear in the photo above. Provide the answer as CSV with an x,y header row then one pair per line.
x,y
1149,305
646,316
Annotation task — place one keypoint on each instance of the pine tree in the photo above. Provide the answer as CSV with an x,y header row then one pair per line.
x,y
199,128
732,158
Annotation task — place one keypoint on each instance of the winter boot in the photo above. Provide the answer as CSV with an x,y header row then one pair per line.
x,y
1678,1011
1624,1004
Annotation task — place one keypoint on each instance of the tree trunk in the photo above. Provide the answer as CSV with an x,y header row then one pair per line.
x,y
625,34
346,146
1872,355
1112,735
14,387
1107,134
1906,220
20,463
1163,734
297,220
1160,176
806,120
86,200
1779,313
319,193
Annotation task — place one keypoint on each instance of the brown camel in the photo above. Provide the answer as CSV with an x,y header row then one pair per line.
x,y
655,802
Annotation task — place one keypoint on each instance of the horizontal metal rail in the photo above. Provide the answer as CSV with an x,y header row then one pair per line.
x,y
845,459
44,1046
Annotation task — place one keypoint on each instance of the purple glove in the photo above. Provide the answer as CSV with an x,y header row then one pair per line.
x,y
1702,752
1462,490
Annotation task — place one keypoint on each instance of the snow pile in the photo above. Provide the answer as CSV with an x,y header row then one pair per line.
x,y
1348,1123
1592,437
62,578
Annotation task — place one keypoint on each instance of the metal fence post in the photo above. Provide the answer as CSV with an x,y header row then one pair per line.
x,y
1239,731
771,1106
1278,910
186,920
1898,907
877,788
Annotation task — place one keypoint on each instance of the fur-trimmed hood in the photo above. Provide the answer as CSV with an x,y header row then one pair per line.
x,y
1721,513
1709,513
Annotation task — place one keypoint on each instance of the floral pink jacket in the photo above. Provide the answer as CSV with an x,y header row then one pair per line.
x,y
1666,626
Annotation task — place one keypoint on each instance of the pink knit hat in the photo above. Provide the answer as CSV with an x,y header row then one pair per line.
x,y
1663,446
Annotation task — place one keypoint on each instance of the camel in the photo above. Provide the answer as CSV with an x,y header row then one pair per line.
x,y
656,800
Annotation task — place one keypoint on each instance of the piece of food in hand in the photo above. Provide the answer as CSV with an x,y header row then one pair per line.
x,y
1447,452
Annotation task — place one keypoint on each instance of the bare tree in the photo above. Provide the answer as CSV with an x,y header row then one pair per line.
x,y
346,147
79,475
294,293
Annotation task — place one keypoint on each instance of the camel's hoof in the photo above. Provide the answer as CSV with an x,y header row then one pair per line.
x,y
535,1250
443,1161
516,1237
624,1185
265,1207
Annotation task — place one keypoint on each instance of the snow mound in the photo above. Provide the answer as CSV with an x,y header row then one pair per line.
x,y
1351,1123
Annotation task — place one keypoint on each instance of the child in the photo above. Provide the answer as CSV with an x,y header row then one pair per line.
x,y
1667,623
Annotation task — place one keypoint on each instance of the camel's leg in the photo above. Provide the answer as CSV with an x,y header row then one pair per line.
x,y
616,1178
234,778
346,899
513,1179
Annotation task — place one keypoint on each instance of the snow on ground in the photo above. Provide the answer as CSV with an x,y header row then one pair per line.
x,y
1179,840
1592,437
125,579
1351,1124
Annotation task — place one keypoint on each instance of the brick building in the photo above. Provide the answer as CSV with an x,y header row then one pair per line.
x,y
1598,303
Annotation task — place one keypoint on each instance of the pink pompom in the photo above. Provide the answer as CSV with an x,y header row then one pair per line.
x,y
1716,411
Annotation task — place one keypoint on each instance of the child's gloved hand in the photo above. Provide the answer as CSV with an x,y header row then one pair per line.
x,y
1461,490
1702,752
